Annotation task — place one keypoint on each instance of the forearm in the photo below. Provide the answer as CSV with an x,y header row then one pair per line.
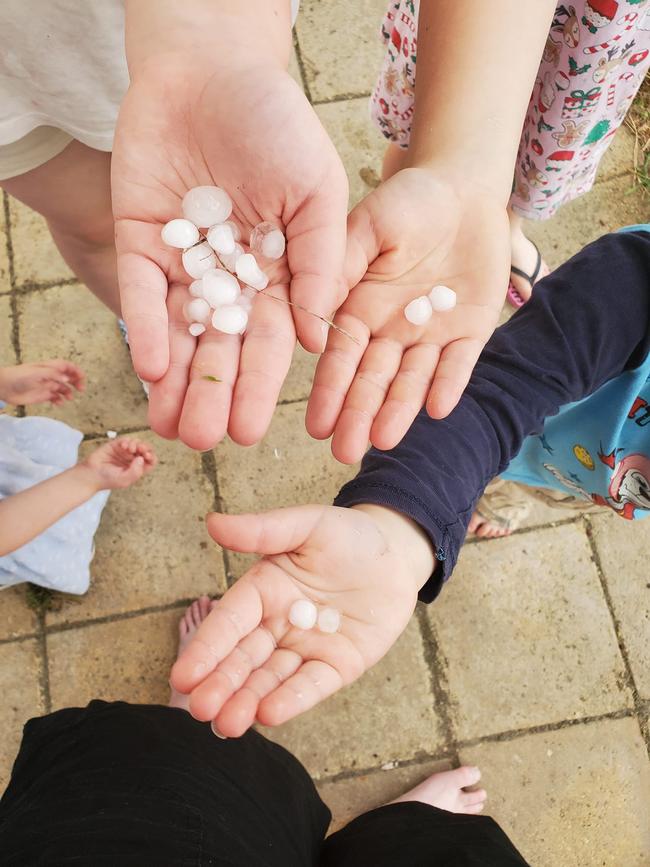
x,y
26,515
571,338
476,68
221,32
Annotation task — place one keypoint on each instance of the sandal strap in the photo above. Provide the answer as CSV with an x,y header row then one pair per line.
x,y
529,277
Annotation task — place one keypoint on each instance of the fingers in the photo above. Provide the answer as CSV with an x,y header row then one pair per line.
x,y
315,250
233,617
273,532
231,674
314,681
167,395
334,375
365,398
143,292
71,374
453,372
264,363
206,407
406,395
240,711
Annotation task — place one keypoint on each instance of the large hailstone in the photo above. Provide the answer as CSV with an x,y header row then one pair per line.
x,y
180,233
220,287
199,259
205,206
267,241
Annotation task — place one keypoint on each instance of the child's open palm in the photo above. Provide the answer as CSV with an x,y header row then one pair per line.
x,y
247,662
121,463
413,232
53,381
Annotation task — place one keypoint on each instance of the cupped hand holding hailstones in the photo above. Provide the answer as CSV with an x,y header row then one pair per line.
x,y
415,346
333,592
250,131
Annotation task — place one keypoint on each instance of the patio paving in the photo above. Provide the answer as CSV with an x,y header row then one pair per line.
x,y
534,664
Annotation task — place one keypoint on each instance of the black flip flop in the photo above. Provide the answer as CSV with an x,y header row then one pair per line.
x,y
513,296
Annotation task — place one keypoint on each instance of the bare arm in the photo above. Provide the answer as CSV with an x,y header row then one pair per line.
x,y
476,69
26,515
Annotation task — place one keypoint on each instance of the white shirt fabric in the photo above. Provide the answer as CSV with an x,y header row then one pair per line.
x,y
62,64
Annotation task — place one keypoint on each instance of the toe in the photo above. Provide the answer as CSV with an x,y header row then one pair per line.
x,y
474,523
204,607
196,614
474,809
469,799
466,775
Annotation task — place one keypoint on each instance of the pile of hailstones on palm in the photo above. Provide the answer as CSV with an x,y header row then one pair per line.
x,y
223,300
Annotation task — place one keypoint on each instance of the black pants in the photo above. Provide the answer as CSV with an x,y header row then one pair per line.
x,y
119,784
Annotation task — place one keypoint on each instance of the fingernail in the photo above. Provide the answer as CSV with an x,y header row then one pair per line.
x,y
215,731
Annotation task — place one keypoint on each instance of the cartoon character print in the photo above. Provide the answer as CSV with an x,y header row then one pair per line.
x,y
565,21
599,13
570,134
629,487
534,176
547,94
612,61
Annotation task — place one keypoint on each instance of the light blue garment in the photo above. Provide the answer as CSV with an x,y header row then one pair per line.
x,y
597,449
31,450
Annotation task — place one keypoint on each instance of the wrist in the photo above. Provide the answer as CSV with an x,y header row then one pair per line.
x,y
86,479
407,538
198,37
466,182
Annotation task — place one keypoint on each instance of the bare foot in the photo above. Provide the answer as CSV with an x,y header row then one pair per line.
x,y
194,615
485,529
524,257
447,791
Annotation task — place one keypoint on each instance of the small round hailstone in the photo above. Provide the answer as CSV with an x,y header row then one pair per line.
x,y
303,614
329,620
221,239
442,298
229,260
199,259
245,303
236,231
196,289
180,233
249,272
220,287
268,241
197,310
419,310
205,206
196,328
230,319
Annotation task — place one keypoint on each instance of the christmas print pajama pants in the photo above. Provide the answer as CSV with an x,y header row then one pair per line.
x,y
595,58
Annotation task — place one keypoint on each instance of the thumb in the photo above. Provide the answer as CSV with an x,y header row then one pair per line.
x,y
315,251
363,245
271,532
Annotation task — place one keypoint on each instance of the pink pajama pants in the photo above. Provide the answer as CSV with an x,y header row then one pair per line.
x,y
596,56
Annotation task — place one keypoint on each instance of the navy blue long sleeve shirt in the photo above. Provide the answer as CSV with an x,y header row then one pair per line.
x,y
586,323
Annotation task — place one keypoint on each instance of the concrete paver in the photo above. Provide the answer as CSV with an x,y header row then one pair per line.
x,y
526,636
69,322
576,797
287,468
4,258
20,674
152,547
7,354
16,617
36,257
125,660
359,143
623,551
340,45
369,723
